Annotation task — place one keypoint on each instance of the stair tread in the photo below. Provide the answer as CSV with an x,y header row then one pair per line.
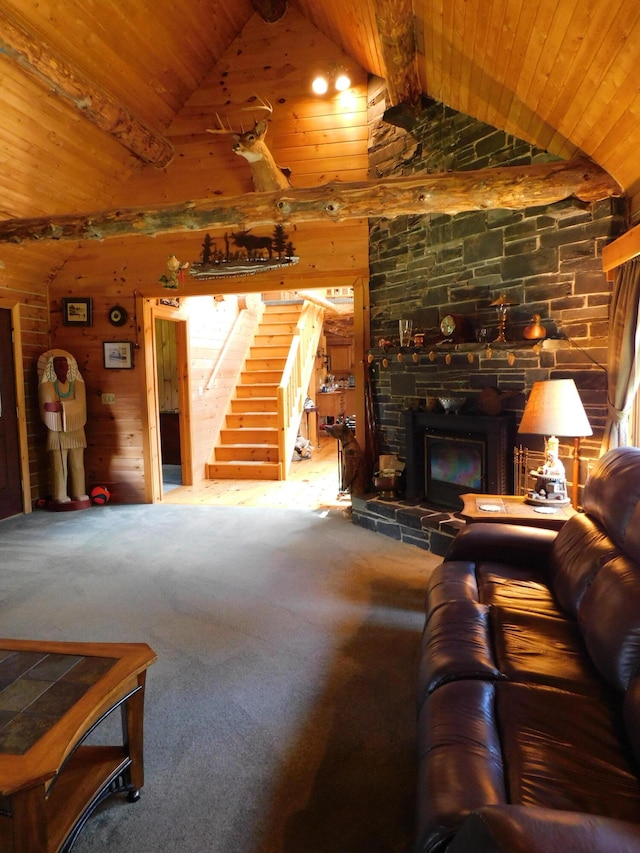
x,y
252,463
250,429
245,435
249,445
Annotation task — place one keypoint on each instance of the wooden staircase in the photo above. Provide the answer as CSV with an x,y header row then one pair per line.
x,y
250,445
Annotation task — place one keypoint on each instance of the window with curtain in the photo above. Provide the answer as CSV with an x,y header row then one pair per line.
x,y
634,421
623,361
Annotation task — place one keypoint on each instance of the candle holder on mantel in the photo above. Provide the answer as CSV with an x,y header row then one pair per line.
x,y
502,304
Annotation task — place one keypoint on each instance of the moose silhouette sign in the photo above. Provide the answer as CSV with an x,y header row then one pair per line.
x,y
244,253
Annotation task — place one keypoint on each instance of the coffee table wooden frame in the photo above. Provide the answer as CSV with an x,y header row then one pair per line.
x,y
50,791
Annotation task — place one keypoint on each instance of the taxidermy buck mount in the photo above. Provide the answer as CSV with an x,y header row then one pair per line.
x,y
267,175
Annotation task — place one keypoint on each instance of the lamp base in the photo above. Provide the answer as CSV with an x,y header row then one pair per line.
x,y
534,500
549,490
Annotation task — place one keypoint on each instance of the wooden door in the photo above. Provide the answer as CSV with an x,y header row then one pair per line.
x,y
10,483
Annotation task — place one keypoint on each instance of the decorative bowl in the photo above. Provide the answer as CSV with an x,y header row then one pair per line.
x,y
452,404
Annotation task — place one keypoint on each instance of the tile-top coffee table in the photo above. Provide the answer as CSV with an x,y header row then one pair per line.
x,y
52,696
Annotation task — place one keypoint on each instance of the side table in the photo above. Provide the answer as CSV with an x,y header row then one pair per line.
x,y
512,509
307,411
52,696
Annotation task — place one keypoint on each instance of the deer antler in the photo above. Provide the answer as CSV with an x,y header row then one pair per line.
x,y
263,105
267,175
222,129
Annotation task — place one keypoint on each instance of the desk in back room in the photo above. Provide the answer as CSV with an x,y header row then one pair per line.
x,y
336,404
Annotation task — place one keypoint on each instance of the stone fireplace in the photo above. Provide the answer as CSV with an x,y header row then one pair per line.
x,y
544,259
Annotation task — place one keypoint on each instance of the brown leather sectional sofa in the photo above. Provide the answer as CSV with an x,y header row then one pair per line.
x,y
529,684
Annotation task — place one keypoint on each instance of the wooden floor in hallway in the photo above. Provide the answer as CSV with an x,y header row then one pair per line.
x,y
312,484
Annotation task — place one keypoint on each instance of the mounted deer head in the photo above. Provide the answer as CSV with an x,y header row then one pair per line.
x,y
250,144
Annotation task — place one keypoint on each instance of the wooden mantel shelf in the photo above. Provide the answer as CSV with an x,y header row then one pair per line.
x,y
471,346
621,250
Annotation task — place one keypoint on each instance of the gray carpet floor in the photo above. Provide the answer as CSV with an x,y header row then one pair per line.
x,y
280,715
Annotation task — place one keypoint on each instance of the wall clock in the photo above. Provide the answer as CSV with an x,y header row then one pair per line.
x,y
455,327
118,316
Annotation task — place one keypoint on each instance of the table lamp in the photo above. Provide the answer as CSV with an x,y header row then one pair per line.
x,y
554,408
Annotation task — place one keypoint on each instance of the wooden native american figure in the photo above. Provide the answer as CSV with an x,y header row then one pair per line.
x,y
63,409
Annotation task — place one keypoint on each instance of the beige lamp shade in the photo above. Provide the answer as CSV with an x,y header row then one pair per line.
x,y
554,407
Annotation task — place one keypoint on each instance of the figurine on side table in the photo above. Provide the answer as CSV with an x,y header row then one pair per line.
x,y
551,483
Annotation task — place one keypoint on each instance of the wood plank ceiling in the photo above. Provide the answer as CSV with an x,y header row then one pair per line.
x,y
559,73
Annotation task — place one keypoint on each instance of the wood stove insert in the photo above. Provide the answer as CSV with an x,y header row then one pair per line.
x,y
449,455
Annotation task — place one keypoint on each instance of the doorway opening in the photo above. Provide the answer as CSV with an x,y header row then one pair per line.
x,y
10,473
168,385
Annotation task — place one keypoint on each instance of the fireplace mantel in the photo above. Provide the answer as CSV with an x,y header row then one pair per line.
x,y
498,431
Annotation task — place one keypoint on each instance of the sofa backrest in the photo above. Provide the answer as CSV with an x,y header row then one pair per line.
x,y
612,497
580,550
595,566
609,620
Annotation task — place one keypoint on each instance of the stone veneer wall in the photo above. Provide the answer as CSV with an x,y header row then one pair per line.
x,y
546,259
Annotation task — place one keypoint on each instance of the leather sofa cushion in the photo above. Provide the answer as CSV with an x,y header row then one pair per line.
x,y
456,645
609,618
451,580
631,710
540,649
515,587
578,553
564,751
460,759
521,829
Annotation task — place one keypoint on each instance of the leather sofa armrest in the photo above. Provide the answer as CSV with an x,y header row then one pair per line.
x,y
525,829
528,547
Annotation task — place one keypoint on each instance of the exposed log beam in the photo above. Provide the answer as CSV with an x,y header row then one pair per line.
x,y
396,27
51,70
270,10
510,187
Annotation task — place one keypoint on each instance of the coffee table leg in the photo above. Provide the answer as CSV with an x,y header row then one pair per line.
x,y
133,733
30,821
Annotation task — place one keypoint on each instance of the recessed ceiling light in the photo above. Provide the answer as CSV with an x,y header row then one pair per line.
x,y
320,85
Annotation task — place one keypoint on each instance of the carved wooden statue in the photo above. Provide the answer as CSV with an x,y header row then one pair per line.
x,y
267,175
353,470
62,400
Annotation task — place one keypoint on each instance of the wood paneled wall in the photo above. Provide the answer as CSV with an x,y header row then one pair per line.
x,y
25,273
319,139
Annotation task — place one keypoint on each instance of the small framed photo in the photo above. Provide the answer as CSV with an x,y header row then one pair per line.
x,y
118,355
77,312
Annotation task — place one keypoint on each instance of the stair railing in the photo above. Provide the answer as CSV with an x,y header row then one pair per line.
x,y
295,381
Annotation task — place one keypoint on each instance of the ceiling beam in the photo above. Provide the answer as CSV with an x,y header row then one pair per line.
x,y
270,10
396,27
43,64
508,187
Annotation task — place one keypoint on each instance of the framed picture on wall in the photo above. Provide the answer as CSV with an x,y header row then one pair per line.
x,y
77,311
118,355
